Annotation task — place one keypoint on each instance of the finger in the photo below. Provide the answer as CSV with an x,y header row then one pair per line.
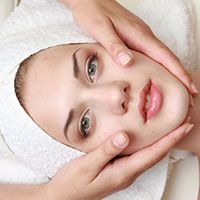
x,y
191,100
112,43
146,158
155,49
105,152
140,161
187,119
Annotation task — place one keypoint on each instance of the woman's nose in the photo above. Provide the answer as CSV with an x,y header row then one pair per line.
x,y
112,96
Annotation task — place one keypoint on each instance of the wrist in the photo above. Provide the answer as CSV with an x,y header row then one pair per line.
x,y
48,193
35,192
42,192
22,192
51,191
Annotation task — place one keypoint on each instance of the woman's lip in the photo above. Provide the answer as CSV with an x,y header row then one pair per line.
x,y
142,99
155,101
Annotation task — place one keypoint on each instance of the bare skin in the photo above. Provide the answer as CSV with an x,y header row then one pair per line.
x,y
118,31
100,180
192,141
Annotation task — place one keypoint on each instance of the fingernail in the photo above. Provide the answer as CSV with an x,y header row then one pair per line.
x,y
194,88
119,140
124,58
191,100
188,129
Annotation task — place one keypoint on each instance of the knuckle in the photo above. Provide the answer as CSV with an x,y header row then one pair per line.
x,y
100,21
114,47
137,23
123,183
84,169
126,183
176,139
138,28
109,150
142,28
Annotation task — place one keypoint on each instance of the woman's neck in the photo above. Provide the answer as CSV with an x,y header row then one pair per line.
x,y
191,142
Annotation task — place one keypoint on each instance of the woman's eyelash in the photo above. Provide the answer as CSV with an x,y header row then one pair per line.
x,y
92,68
93,57
86,123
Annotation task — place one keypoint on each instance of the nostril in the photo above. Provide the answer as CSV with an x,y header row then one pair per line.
x,y
124,106
126,89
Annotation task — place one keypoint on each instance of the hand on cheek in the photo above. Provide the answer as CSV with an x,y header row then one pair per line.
x,y
96,175
118,26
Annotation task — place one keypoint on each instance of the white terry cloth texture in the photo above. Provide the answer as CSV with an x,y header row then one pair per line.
x,y
36,25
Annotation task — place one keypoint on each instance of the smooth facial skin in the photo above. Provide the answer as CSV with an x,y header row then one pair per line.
x,y
104,101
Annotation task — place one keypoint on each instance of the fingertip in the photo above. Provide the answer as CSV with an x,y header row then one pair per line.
x,y
120,140
188,128
125,58
191,101
194,88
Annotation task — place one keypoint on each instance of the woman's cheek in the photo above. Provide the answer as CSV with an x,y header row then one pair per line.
x,y
106,127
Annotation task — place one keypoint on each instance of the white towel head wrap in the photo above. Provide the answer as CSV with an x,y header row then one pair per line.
x,y
27,140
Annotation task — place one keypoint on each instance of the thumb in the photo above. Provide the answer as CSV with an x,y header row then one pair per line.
x,y
99,157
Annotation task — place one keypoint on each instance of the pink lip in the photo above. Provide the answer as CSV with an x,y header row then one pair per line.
x,y
155,101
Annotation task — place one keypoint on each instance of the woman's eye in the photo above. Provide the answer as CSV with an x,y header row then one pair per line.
x,y
85,125
92,68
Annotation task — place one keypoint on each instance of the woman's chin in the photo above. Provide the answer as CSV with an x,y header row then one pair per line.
x,y
177,112
174,112
173,120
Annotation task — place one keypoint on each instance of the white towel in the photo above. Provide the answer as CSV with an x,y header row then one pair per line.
x,y
50,14
173,21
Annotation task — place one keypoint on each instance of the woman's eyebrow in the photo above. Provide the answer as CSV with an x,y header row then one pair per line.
x,y
70,117
75,64
68,123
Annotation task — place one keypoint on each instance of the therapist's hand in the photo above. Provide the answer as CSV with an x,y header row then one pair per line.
x,y
95,175
117,29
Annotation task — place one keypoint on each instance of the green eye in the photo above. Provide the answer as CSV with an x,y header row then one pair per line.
x,y
85,124
92,68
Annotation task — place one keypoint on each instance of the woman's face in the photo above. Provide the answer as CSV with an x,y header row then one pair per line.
x,y
80,97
